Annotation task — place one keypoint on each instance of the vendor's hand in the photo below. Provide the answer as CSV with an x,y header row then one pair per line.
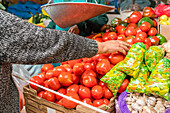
x,y
74,29
113,46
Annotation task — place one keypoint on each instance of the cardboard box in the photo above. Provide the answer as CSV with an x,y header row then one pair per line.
x,y
35,104
164,30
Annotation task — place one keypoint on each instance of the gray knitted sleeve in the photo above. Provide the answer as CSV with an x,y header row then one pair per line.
x,y
24,43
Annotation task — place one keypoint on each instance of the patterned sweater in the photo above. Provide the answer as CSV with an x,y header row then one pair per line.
x,y
25,43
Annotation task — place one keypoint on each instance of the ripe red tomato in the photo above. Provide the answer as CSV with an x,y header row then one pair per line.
x,y
65,78
129,40
135,17
84,92
105,36
138,30
73,62
89,73
37,80
148,12
42,76
49,96
53,83
121,37
40,94
46,84
98,39
154,41
123,86
106,101
46,67
121,30
141,34
57,70
69,69
62,91
101,83
73,88
112,36
88,66
115,58
103,66
97,92
154,23
87,60
147,47
89,81
99,56
97,103
147,41
131,25
78,69
75,79
145,26
49,74
87,101
130,31
107,93
68,103
60,102
152,31
138,39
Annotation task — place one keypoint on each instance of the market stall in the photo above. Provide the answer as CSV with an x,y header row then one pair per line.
x,y
138,82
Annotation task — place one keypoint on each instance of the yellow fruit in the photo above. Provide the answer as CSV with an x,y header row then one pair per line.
x,y
163,22
164,18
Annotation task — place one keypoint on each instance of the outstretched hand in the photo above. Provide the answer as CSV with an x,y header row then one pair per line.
x,y
113,46
74,29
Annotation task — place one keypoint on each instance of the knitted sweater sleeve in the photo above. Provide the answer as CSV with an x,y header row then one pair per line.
x,y
24,43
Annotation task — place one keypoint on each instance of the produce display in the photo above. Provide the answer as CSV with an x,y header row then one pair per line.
x,y
145,69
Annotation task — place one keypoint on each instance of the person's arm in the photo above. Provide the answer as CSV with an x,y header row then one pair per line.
x,y
23,42
92,25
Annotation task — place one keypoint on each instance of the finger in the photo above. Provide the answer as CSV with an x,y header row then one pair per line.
x,y
124,43
121,50
124,47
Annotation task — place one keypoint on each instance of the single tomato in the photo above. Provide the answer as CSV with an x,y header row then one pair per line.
x,y
97,103
154,41
49,74
152,31
37,80
89,73
123,86
84,92
106,101
88,66
105,36
115,58
145,26
87,101
46,67
147,41
73,62
131,25
78,69
130,31
112,36
40,94
58,70
138,39
138,30
62,91
49,96
42,76
89,81
65,78
53,83
121,37
129,40
98,39
103,66
142,34
154,23
148,12
75,79
68,103
107,93
101,83
73,88
97,92
135,17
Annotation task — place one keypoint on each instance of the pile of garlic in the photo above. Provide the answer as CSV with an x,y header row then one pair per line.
x,y
141,103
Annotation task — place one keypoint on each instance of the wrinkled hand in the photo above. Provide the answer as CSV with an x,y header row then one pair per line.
x,y
74,29
113,46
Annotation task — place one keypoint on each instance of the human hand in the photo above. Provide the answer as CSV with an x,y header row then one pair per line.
x,y
74,29
113,46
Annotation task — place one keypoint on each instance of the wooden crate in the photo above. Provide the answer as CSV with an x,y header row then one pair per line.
x,y
35,104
